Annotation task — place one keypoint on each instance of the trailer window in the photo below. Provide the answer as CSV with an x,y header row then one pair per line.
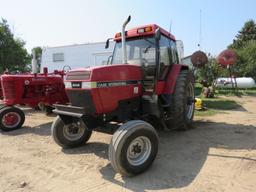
x,y
57,57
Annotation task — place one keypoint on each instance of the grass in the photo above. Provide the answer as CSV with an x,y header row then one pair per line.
x,y
220,104
227,92
240,92
208,112
216,106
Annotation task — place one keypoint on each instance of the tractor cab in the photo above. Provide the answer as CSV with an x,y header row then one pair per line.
x,y
150,47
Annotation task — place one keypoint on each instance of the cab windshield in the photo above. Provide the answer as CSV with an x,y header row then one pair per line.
x,y
139,52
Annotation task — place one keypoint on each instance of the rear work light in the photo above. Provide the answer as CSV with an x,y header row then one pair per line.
x,y
118,35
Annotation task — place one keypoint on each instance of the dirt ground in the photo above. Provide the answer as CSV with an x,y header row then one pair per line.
x,y
219,154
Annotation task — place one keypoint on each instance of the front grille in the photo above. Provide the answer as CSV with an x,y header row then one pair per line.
x,y
81,98
78,75
9,89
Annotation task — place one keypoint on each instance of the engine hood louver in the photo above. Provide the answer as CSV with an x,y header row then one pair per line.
x,y
78,75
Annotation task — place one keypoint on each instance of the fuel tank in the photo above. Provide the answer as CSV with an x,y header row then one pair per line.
x,y
242,82
100,89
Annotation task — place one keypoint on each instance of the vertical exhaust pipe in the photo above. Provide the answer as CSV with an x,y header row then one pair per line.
x,y
123,40
34,62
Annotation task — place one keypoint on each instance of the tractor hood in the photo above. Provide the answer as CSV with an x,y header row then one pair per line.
x,y
99,89
110,73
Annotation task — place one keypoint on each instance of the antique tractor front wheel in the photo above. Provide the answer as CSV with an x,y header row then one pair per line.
x,y
133,148
11,118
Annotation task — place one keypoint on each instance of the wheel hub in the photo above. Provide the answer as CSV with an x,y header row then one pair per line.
x,y
190,101
139,150
11,119
73,131
136,148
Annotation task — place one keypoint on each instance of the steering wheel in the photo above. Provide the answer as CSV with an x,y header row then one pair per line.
x,y
66,68
144,62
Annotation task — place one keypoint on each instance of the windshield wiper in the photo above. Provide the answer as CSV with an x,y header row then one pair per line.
x,y
147,48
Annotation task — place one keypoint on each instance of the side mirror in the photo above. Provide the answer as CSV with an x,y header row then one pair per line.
x,y
158,34
107,43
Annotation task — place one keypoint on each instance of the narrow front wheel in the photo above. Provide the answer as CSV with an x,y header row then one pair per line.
x,y
133,148
73,134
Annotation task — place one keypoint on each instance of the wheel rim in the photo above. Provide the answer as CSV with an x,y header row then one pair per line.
x,y
11,119
190,101
73,131
139,151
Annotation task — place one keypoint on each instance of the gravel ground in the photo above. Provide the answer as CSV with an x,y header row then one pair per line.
x,y
219,154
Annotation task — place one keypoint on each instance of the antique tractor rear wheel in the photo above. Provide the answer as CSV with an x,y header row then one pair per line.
x,y
11,118
70,135
133,148
181,110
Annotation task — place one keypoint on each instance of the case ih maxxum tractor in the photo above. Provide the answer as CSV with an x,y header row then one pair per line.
x,y
144,85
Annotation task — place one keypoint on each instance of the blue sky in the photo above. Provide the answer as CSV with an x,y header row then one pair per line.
x,y
62,22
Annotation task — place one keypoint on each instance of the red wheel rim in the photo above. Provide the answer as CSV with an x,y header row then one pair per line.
x,y
11,119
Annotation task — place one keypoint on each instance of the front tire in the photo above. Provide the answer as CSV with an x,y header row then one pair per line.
x,y
70,135
11,118
133,148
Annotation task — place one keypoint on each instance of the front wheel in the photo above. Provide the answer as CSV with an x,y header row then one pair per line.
x,y
70,135
133,148
11,118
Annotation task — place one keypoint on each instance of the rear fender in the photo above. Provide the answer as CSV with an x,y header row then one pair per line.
x,y
172,78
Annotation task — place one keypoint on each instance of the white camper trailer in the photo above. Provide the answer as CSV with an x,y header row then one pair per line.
x,y
75,56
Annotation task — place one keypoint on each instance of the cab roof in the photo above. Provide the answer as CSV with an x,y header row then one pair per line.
x,y
148,30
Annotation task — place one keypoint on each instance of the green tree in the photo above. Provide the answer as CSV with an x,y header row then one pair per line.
x,y
246,64
13,55
244,45
247,33
211,71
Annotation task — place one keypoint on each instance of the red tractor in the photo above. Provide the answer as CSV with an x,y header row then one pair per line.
x,y
31,90
144,85
1,91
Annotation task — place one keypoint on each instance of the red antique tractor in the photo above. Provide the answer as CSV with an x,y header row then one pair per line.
x,y
30,90
1,91
144,85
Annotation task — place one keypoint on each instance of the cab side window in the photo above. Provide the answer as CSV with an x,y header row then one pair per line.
x,y
165,57
174,52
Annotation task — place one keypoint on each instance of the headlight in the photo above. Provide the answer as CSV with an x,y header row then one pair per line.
x,y
67,84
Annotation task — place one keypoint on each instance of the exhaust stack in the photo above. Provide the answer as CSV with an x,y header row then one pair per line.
x,y
34,62
123,40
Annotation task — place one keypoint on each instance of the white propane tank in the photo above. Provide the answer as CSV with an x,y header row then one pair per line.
x,y
242,82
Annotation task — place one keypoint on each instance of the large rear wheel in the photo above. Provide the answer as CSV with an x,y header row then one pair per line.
x,y
11,118
133,148
70,135
181,110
